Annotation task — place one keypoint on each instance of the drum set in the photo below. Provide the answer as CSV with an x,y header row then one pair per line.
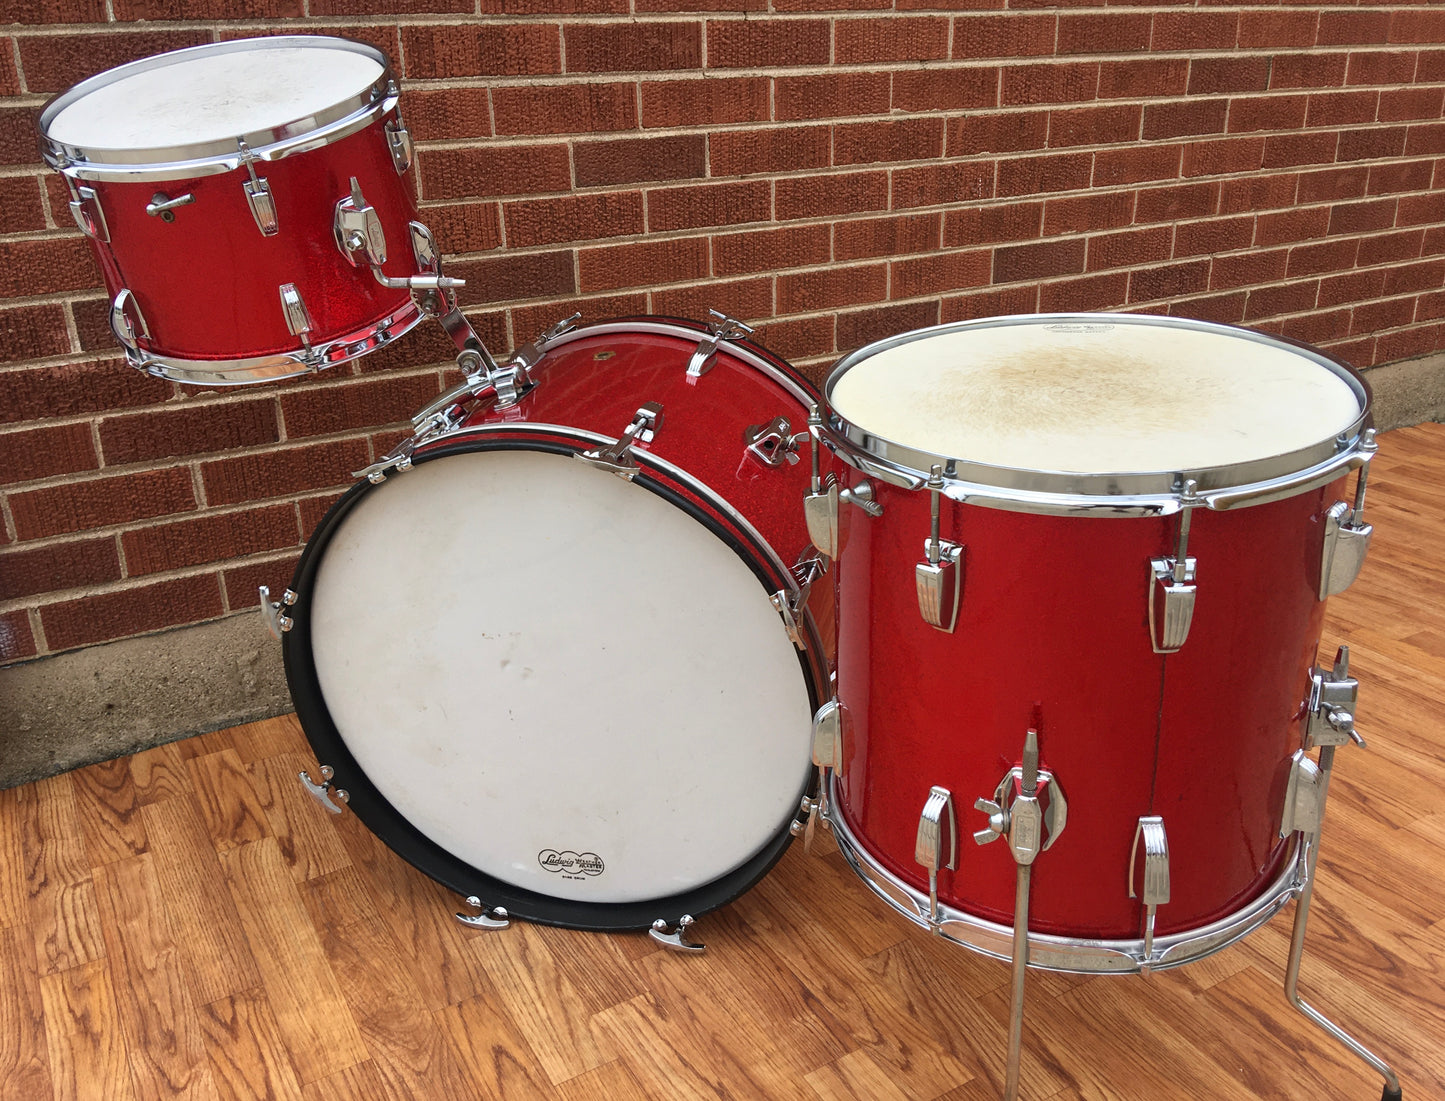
x,y
632,609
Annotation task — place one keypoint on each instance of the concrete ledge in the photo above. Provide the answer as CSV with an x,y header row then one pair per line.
x,y
1408,391
72,709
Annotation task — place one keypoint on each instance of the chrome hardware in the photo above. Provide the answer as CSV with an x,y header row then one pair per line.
x,y
829,724
618,459
357,228
277,622
126,330
789,603
928,847
1155,891
1331,704
1303,805
939,577
258,195
862,496
491,918
298,317
398,140
773,444
163,207
85,208
1172,588
723,329
820,505
675,939
323,791
1347,536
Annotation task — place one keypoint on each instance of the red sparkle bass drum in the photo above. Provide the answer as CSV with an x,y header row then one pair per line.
x,y
1084,559
249,204
557,649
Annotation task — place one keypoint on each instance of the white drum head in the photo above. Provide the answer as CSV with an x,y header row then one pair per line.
x,y
1109,396
212,96
559,677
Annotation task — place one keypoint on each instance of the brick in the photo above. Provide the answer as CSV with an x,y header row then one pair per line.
x,y
313,509
1417,26
991,303
46,266
830,95
21,208
70,389
995,224
633,160
33,332
1420,209
57,194
1355,286
1112,33
1357,353
1381,67
17,136
1136,165
56,567
565,109
1059,82
464,227
132,611
1316,328
53,63
1175,201
935,184
726,204
1248,269
1165,281
784,149
829,5
572,218
881,39
495,170
1390,248
1324,256
1430,307
824,196
277,473
1185,118
897,235
209,538
45,452
1144,78
830,288
1425,139
1386,179
16,640
1418,341
1094,125
1011,132
1353,28
1399,104
384,37
1083,213
1311,70
1427,275
9,76
763,250
1194,30
1251,113
187,429
900,140
1371,317
1362,217
450,113
1227,309
1277,29
491,49
939,272
632,47
744,299
1212,75
1040,260
1286,299
1213,235
1226,155
860,327
511,277
643,264
1360,145
1333,183
1042,175
707,102
1291,226
1011,35
767,43
99,502
935,89
348,405
1258,193
1094,292
242,583
1291,150
1342,108
159,10
1129,248
528,321
797,338
1429,66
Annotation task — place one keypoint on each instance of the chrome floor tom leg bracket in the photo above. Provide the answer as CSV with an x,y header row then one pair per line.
x,y
928,849
939,577
1171,586
675,939
1155,889
490,918
323,791
1347,536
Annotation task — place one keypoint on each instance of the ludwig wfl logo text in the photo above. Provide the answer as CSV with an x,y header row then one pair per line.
x,y
570,863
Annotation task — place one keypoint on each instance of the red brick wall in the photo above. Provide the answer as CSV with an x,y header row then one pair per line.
x,y
831,170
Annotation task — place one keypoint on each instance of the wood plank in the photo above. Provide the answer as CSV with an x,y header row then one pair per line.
x,y
61,894
301,826
229,806
495,1051
616,1081
14,894
160,773
854,1076
24,1059
109,808
84,1037
312,1015
271,738
243,1044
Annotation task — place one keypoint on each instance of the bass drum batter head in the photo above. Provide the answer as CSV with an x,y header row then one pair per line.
x,y
570,693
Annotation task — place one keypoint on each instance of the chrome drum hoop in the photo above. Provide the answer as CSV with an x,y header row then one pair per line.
x,y
1147,493
1073,955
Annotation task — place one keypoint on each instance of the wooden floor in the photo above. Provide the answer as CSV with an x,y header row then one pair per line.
x,y
185,922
